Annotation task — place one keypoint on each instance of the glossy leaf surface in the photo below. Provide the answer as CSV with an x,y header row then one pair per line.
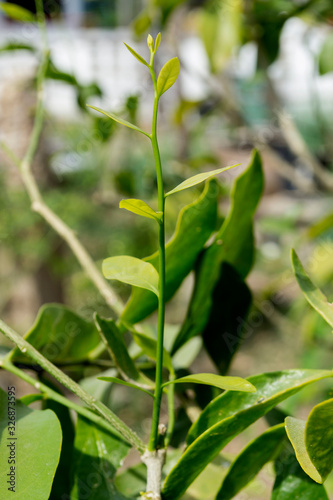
x,y
319,437
233,244
97,456
17,12
226,383
251,460
141,208
227,416
136,55
313,295
168,75
61,336
36,459
116,380
119,120
132,271
195,224
197,179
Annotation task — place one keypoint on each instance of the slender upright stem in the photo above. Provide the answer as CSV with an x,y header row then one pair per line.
x,y
161,269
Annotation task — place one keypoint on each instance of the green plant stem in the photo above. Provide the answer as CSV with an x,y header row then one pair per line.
x,y
161,269
127,433
171,411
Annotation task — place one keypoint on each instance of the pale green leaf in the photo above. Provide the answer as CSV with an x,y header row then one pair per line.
x,y
141,208
222,382
136,55
197,179
319,437
157,41
119,120
133,271
313,295
296,433
123,382
17,13
168,75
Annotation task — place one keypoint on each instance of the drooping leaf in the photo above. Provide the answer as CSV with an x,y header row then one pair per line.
x,y
17,12
197,179
226,326
141,208
296,433
195,224
149,347
319,437
115,343
226,383
313,295
233,244
116,380
168,75
97,456
251,460
292,483
227,416
136,55
61,336
132,271
36,446
325,61
119,120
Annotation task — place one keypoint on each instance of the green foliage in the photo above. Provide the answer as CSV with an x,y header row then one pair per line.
x,y
140,207
325,63
17,12
168,75
226,383
119,120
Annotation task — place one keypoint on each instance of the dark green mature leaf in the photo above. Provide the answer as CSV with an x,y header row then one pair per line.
x,y
233,244
195,224
319,437
97,456
226,383
226,327
17,12
227,416
36,447
313,295
133,271
250,461
292,483
61,336
115,343
168,75
325,60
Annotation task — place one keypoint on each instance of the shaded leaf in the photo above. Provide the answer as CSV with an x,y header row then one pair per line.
x,y
36,459
319,437
226,383
313,295
136,55
119,120
233,244
197,179
123,382
28,399
17,12
61,336
131,270
325,60
251,460
228,415
194,226
141,208
168,75
149,347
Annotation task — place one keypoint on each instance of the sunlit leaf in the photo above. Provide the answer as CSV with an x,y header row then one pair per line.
x,y
136,55
168,75
133,271
141,208
119,120
313,295
17,12
197,179
157,42
222,382
319,437
123,382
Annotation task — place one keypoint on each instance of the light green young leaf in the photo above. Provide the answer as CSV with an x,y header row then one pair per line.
x,y
133,271
17,12
157,42
197,179
119,120
123,382
296,433
136,55
313,295
141,208
150,43
319,437
168,75
222,382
